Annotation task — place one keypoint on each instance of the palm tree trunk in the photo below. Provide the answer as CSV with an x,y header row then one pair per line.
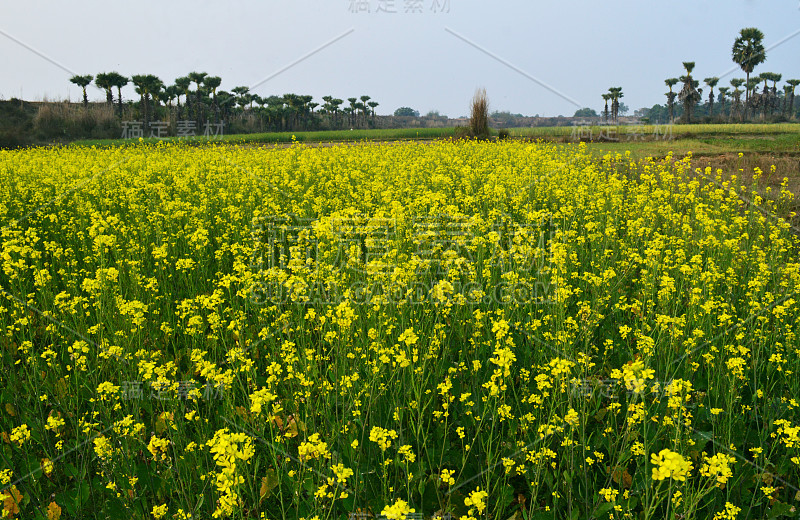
x,y
119,98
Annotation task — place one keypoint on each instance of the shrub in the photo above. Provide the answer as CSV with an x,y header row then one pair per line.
x,y
479,120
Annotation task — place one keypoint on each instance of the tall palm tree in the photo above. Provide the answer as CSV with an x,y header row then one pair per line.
x,y
792,83
606,97
336,103
118,80
671,82
353,110
183,83
372,105
736,106
616,94
766,95
775,78
147,85
364,100
83,82
213,83
197,78
748,52
305,109
103,81
689,95
711,82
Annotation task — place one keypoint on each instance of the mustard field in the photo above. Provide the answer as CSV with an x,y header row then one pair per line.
x,y
446,330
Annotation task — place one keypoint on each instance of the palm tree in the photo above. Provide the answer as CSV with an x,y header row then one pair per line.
x,y
671,82
689,95
766,97
241,93
83,82
183,83
224,101
372,105
348,111
146,85
118,80
711,82
750,91
737,97
606,97
353,111
170,93
364,100
748,52
103,81
197,78
304,102
787,91
166,95
723,93
213,82
615,93
336,103
793,83
775,78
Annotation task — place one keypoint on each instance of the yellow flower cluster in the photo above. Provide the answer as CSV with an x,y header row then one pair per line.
x,y
228,448
397,511
718,467
382,437
21,434
158,448
477,500
669,464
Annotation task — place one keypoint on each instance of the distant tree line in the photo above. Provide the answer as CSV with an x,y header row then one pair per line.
x,y
767,103
197,97
752,98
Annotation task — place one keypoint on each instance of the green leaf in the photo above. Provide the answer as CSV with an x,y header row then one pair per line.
x,y
268,483
430,499
115,510
602,509
70,470
780,509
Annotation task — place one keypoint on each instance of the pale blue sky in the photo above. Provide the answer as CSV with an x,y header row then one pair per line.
x,y
426,60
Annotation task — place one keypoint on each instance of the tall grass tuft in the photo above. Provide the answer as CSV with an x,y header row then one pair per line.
x,y
479,117
64,120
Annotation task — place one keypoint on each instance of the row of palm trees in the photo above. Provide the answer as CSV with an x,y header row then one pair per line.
x,y
769,103
748,52
613,94
205,102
